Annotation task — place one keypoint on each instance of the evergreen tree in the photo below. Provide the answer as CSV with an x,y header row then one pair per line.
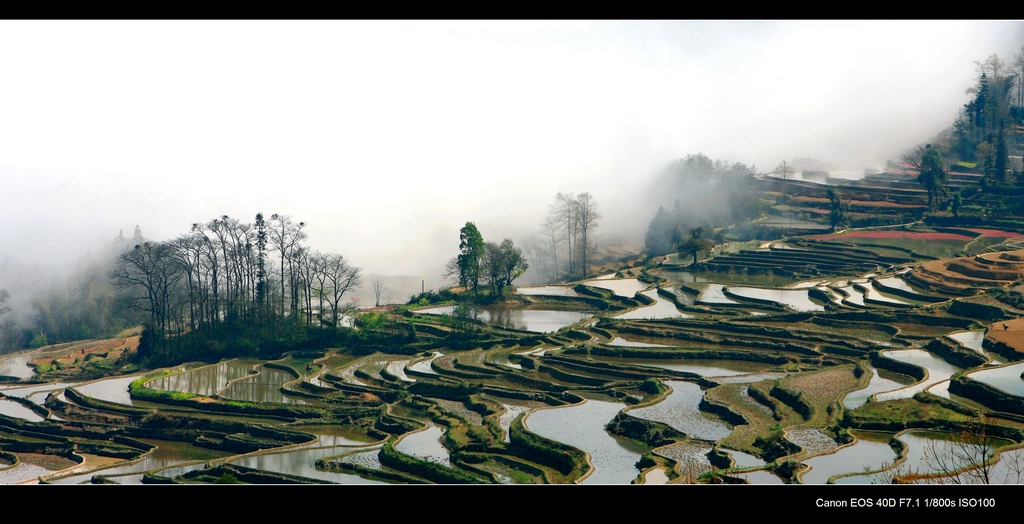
x,y
471,253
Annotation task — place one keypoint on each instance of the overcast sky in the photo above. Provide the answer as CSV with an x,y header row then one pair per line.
x,y
386,137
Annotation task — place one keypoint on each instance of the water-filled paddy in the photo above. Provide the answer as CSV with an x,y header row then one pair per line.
x,y
942,248
423,366
301,462
692,457
558,291
582,426
759,477
881,381
661,308
21,473
17,366
536,320
938,370
797,299
619,341
656,476
207,380
14,409
870,452
1006,378
510,414
852,295
397,368
36,394
426,445
712,293
679,410
110,390
919,444
707,368
624,287
899,283
744,460
973,340
811,440
168,453
263,387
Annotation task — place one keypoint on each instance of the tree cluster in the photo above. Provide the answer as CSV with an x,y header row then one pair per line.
x,y
497,265
986,123
218,280
565,247
707,194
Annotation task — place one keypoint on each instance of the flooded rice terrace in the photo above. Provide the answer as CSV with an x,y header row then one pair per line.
x,y
582,426
445,397
537,320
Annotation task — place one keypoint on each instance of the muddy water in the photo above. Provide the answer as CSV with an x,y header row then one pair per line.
x,y
661,308
1006,378
207,380
263,387
797,299
425,445
679,410
582,426
881,381
870,452
938,371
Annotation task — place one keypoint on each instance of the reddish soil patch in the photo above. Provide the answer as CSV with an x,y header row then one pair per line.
x,y
1013,336
995,233
895,234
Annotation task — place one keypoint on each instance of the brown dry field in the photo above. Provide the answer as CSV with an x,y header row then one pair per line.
x,y
954,278
1013,337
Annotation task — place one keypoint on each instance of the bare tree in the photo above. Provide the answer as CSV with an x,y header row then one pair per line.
x,y
587,218
285,236
784,170
552,241
563,211
993,66
380,285
969,456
